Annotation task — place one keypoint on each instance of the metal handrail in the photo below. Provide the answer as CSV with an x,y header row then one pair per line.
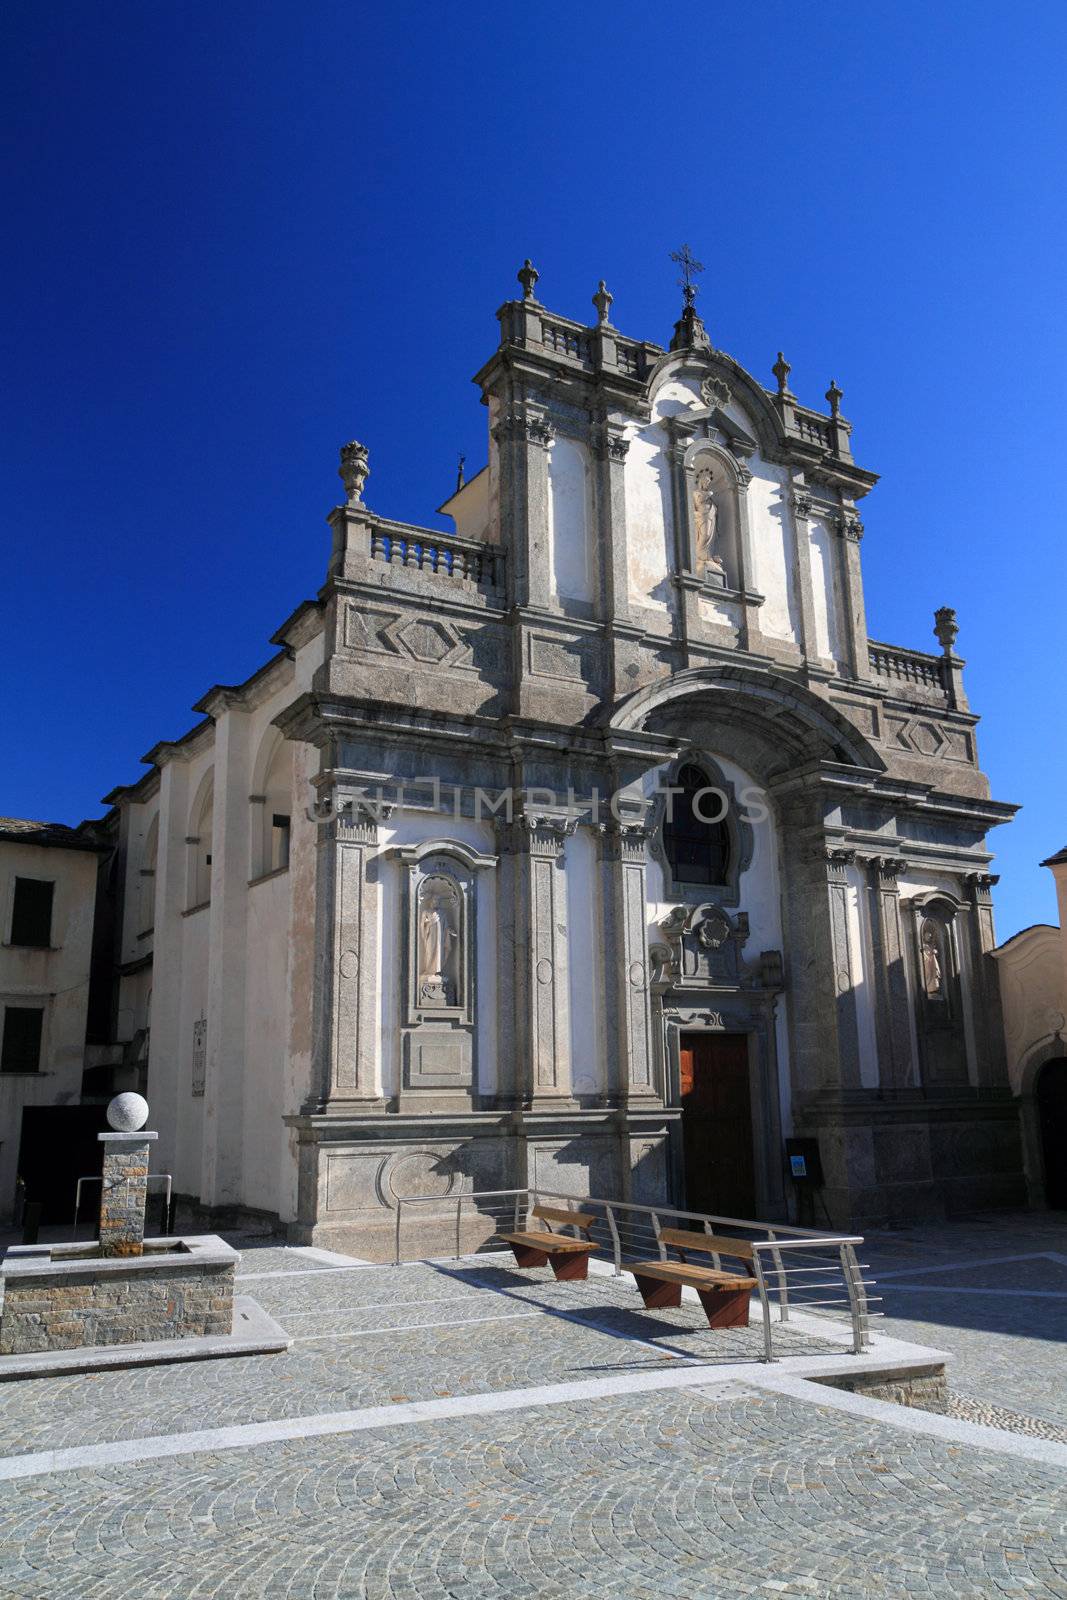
x,y
781,1243
153,1177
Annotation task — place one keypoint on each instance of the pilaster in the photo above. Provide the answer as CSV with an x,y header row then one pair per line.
x,y
849,529
802,507
986,1009
631,1057
523,438
170,1053
542,976
346,933
222,1150
897,1067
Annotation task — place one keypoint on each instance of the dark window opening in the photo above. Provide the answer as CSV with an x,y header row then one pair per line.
x,y
21,1049
279,842
698,850
31,916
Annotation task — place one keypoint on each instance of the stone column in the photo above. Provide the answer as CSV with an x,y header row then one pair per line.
x,y
850,531
124,1193
347,983
897,1068
542,977
631,1075
984,999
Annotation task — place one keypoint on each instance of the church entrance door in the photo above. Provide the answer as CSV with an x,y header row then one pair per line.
x,y
720,1169
1052,1110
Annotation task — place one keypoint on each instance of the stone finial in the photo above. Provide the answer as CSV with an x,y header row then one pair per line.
x,y
946,628
781,370
834,396
602,300
354,470
459,473
528,276
127,1113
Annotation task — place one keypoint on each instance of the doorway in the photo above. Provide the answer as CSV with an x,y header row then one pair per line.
x,y
716,1096
1052,1115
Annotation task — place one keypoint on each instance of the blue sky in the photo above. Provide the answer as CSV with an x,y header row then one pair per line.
x,y
240,234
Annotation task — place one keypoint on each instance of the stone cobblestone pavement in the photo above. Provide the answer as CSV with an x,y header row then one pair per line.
x,y
724,1490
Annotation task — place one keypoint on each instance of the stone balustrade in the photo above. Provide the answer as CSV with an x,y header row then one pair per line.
x,y
445,555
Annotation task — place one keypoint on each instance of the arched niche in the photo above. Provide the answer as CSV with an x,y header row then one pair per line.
x,y
439,966
713,487
937,986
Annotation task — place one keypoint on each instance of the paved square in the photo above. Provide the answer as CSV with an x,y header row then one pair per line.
x,y
463,1430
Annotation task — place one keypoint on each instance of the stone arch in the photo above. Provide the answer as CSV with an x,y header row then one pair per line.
x,y
1044,1053
198,839
770,722
272,804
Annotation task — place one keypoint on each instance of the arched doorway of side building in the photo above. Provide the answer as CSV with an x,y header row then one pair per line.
x,y
1051,1097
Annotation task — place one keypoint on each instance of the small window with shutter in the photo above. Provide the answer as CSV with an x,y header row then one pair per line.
x,y
31,914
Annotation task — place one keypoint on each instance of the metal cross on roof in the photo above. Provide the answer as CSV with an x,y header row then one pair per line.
x,y
689,264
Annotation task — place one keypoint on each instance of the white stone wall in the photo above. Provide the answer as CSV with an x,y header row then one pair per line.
x,y
56,979
570,520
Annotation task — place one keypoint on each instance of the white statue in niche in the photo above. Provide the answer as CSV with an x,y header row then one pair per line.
x,y
705,524
437,940
930,953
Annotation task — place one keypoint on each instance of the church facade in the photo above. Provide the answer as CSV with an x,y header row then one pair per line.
x,y
593,845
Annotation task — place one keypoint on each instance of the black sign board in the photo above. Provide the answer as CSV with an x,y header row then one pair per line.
x,y
805,1162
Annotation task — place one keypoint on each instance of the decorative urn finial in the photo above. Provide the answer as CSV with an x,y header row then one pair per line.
x,y
946,628
459,473
834,395
354,470
781,370
602,300
528,276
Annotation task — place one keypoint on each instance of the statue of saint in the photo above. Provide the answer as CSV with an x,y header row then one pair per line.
x,y
437,938
705,522
933,977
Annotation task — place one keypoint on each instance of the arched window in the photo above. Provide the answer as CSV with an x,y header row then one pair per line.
x,y
199,842
698,849
272,807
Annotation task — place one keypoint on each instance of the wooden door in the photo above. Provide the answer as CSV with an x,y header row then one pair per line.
x,y
720,1169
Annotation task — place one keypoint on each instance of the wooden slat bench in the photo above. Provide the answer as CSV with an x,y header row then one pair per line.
x,y
540,1246
724,1295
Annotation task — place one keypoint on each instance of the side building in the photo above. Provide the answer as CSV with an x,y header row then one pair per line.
x,y
592,845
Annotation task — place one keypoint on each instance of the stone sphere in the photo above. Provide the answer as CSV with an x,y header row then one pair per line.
x,y
127,1112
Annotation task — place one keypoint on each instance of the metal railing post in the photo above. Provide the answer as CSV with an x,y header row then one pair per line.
x,y
857,1298
765,1306
660,1246
399,1209
616,1247
783,1282
459,1223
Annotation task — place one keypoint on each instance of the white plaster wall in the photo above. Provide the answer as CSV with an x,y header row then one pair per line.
x,y
1033,995
409,827
824,594
570,520
773,550
469,508
586,966
193,1004
56,979
649,521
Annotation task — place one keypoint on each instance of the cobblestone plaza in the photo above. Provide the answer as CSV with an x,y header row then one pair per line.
x,y
456,1429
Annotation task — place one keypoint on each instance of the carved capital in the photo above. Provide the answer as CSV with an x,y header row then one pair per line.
x,y
886,869
802,504
979,885
544,833
849,527
608,442
531,427
836,860
627,839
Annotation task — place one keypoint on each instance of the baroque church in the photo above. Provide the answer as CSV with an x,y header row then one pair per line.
x,y
592,845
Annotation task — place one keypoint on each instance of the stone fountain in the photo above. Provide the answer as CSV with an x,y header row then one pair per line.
x,y
164,1299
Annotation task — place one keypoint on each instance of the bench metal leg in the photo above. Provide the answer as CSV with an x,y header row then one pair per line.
x,y
725,1308
657,1294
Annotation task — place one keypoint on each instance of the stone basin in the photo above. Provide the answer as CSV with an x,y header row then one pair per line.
x,y
67,1296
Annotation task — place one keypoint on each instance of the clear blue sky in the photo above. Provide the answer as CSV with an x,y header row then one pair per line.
x,y
241,233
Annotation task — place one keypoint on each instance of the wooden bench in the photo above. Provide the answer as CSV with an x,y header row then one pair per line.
x,y
540,1246
724,1295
